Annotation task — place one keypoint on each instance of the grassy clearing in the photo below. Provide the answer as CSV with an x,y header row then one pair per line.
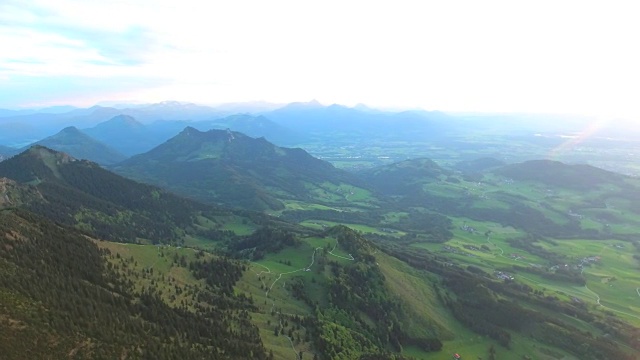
x,y
273,273
149,265
302,206
199,242
238,225
429,317
365,229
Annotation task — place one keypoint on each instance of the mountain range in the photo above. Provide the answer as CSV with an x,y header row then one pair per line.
x,y
321,121
267,252
285,125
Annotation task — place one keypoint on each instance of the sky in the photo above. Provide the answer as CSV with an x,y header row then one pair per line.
x,y
539,56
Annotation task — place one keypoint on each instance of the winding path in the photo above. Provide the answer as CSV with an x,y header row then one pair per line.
x,y
606,307
307,268
339,256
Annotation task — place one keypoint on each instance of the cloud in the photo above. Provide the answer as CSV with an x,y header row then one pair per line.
x,y
71,39
31,91
494,55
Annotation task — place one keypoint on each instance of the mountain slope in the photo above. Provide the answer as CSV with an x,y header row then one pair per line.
x,y
82,194
62,296
232,168
81,146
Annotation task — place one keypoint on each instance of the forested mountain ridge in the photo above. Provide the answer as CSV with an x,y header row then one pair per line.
x,y
221,166
82,194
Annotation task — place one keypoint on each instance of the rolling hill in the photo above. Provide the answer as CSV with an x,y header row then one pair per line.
x,y
405,177
554,173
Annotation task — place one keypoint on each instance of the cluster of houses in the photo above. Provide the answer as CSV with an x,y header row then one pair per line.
x,y
503,275
467,228
586,261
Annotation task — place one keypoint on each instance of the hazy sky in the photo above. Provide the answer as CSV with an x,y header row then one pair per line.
x,y
540,56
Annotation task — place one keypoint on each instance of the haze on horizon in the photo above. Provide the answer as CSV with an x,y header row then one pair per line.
x,y
493,56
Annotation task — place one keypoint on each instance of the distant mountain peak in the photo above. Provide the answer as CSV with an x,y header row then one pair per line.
x,y
170,103
118,123
123,118
71,130
73,141
190,130
313,104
